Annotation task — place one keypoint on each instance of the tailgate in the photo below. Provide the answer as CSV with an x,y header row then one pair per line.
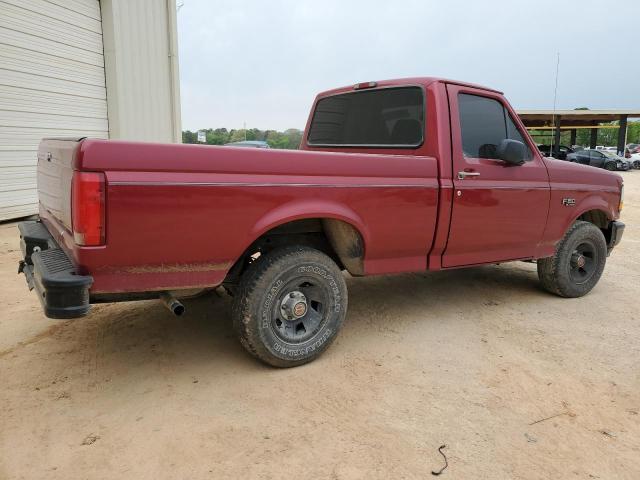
x,y
55,173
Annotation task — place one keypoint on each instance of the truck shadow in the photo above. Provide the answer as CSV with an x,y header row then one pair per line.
x,y
396,301
146,336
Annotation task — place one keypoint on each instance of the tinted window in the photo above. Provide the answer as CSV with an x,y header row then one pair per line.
x,y
485,123
385,117
514,134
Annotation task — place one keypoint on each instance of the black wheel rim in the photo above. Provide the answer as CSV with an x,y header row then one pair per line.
x,y
583,262
300,329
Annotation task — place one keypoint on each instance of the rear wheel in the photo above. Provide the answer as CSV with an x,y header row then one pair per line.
x,y
289,306
577,264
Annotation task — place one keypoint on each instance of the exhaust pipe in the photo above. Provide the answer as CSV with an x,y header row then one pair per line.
x,y
172,304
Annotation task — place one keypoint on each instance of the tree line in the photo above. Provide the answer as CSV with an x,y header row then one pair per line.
x,y
606,136
289,139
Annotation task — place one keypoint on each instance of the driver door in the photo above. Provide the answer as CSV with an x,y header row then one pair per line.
x,y
499,209
596,159
582,157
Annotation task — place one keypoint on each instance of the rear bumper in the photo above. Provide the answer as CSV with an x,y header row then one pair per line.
x,y
47,268
617,229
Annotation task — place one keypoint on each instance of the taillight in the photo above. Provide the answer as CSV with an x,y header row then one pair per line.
x,y
87,208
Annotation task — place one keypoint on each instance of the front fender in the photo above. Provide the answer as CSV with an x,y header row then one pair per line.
x,y
562,216
593,202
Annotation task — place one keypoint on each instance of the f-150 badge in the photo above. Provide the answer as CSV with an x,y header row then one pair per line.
x,y
568,202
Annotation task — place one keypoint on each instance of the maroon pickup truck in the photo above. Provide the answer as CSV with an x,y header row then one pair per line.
x,y
394,176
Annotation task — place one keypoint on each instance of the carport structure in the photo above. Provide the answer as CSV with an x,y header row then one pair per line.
x,y
574,120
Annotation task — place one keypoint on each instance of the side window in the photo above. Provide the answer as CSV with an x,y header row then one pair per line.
x,y
514,134
484,123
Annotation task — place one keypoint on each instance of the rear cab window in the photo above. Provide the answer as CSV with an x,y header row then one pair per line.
x,y
484,123
391,117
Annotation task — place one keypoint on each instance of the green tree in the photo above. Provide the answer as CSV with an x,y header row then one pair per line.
x,y
633,132
189,137
237,135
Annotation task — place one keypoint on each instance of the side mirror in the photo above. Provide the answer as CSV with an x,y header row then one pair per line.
x,y
512,151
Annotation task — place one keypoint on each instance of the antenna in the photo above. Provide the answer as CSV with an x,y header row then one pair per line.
x,y
553,115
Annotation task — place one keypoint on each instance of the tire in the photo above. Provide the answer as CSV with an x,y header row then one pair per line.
x,y
610,166
289,306
577,264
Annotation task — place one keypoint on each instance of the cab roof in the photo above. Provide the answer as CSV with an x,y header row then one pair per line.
x,y
398,82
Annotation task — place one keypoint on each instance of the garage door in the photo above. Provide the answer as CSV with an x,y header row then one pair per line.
x,y
51,84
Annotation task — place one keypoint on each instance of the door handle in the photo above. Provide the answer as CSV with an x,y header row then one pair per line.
x,y
462,175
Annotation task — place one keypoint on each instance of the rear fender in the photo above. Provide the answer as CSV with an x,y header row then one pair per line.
x,y
302,209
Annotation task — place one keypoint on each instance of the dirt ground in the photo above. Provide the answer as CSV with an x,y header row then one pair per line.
x,y
516,382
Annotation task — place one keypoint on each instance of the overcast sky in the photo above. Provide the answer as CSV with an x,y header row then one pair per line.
x,y
262,62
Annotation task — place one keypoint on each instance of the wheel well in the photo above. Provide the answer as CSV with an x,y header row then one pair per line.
x,y
340,240
600,220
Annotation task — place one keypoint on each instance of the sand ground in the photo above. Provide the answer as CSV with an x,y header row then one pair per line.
x,y
469,358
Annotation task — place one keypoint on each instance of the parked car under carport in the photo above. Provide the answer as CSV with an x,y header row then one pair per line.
x,y
600,159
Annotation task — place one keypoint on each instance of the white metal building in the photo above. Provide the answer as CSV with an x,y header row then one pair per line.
x,y
70,68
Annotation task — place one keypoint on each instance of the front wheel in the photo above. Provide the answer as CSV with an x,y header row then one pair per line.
x,y
578,263
289,306
610,166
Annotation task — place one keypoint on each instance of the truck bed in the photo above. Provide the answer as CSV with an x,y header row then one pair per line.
x,y
179,216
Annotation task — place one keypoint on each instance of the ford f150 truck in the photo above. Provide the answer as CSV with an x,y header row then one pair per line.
x,y
394,176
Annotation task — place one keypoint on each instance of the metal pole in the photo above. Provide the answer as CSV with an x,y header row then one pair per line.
x,y
556,136
555,97
622,134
